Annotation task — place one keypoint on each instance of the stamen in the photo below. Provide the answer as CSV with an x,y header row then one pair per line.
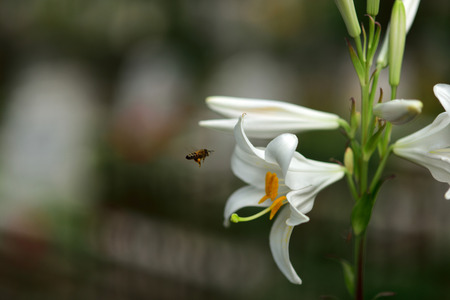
x,y
271,189
276,205
268,178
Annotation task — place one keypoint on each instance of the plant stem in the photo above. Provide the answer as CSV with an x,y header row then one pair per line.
x,y
359,263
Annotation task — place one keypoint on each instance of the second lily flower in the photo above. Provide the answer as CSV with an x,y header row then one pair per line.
x,y
268,118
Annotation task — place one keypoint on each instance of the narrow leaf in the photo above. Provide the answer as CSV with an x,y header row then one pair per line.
x,y
356,61
349,276
373,142
361,214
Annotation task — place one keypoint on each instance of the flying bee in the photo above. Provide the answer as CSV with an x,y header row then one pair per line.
x,y
199,156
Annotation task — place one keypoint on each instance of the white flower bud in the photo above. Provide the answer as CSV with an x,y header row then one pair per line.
x,y
398,111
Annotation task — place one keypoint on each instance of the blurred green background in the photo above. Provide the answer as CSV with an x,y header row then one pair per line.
x,y
100,101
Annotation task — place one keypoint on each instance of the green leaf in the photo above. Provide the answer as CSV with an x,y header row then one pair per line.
x,y
349,276
374,45
361,214
359,67
373,142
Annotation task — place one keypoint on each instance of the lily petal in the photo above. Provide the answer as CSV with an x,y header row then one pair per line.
x,y
281,150
429,147
280,236
434,136
304,172
247,196
442,92
251,164
243,142
301,203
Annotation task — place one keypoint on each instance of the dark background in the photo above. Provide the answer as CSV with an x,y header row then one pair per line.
x,y
100,102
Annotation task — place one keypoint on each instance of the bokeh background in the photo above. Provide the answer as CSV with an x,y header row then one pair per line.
x,y
99,104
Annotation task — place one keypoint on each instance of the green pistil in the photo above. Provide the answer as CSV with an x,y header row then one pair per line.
x,y
236,219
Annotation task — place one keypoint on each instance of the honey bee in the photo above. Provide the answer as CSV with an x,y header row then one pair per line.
x,y
199,156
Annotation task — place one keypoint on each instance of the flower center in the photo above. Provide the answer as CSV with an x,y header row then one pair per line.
x,y
271,189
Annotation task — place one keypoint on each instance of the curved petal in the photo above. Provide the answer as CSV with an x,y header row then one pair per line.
x,y
249,163
437,162
447,195
280,235
429,147
244,197
434,136
243,142
251,169
281,150
304,172
301,203
442,92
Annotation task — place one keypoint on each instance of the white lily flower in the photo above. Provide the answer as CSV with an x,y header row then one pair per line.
x,y
398,111
277,176
411,7
430,146
267,118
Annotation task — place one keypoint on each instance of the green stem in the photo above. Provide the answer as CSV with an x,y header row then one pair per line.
x,y
359,49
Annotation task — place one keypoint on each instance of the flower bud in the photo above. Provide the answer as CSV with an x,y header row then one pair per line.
x,y
347,10
348,160
372,7
397,36
398,111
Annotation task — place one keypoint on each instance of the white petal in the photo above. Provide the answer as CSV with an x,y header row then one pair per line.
x,y
243,142
247,162
226,125
280,151
304,172
301,202
429,147
438,165
434,136
447,195
252,169
244,197
411,7
280,235
442,92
